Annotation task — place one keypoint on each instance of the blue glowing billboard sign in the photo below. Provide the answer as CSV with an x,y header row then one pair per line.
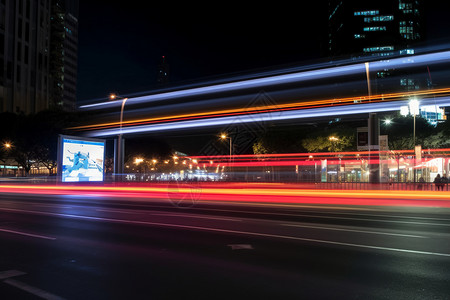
x,y
81,159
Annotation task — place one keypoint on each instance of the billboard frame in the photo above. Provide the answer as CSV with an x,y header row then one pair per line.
x,y
59,164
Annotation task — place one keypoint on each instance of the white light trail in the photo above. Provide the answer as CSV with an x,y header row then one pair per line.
x,y
271,116
412,60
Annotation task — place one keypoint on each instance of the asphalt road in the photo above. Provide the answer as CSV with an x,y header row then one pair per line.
x,y
91,247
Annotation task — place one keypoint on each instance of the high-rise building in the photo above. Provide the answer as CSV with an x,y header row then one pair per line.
x,y
380,28
24,55
63,53
27,62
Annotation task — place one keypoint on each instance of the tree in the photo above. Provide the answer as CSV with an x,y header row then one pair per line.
x,y
35,136
259,148
332,143
400,133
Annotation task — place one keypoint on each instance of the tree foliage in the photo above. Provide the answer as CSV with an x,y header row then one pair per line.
x,y
34,137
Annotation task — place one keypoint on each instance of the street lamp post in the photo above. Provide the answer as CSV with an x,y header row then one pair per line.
x,y
7,146
223,136
414,107
414,110
119,147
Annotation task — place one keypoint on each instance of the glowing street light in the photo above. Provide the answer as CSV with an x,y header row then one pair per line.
x,y
413,108
118,164
224,136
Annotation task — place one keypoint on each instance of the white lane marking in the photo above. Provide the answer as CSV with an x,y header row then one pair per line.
x,y
27,234
352,230
344,218
232,232
10,273
169,214
196,216
32,290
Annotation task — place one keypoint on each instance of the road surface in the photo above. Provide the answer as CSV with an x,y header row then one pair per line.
x,y
97,247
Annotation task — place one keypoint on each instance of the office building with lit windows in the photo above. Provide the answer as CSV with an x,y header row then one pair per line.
x,y
63,50
24,55
376,28
30,64
381,28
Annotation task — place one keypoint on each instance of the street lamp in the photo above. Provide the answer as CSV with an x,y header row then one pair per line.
x,y
114,96
414,109
223,136
120,149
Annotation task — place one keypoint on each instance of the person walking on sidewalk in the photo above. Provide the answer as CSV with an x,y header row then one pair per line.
x,y
438,182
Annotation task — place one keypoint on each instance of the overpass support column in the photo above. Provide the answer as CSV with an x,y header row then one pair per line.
x,y
119,154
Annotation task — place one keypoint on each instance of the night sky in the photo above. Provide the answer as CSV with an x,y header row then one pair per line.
x,y
120,44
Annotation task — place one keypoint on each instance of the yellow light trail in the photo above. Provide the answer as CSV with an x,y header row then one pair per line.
x,y
267,108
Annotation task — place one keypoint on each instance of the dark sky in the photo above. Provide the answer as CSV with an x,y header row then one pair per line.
x,y
120,44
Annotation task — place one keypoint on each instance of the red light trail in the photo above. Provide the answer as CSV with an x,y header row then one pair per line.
x,y
272,193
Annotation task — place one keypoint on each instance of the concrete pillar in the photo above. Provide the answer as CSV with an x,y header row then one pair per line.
x,y
119,154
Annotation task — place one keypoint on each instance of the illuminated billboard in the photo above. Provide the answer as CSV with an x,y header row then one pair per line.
x,y
80,159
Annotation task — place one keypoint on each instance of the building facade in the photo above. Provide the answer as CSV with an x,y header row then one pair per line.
x,y
382,28
26,57
63,51
375,28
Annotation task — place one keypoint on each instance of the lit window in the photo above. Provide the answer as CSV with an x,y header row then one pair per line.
x,y
378,19
366,13
376,28
378,49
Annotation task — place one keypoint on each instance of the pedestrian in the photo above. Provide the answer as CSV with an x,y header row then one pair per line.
x,y
437,182
444,181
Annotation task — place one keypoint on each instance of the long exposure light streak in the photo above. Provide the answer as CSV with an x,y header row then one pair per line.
x,y
270,116
246,192
273,108
413,60
443,152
